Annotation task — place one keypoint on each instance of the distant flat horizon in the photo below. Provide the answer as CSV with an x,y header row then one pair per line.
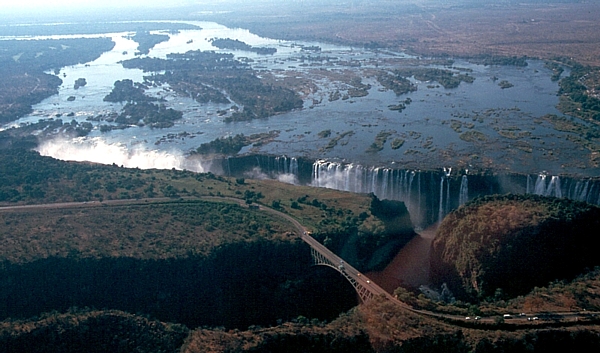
x,y
37,5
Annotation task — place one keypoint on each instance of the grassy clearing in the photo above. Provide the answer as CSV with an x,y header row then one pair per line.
x,y
179,225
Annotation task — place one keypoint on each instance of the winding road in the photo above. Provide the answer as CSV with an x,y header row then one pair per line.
x,y
343,267
351,273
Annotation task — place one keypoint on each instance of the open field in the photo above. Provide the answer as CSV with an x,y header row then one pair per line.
x,y
535,30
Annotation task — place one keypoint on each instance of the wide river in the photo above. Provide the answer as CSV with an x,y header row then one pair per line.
x,y
431,125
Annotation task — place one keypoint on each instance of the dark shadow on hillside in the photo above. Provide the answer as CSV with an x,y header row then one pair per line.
x,y
240,285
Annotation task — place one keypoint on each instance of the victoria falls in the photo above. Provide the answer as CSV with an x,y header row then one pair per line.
x,y
166,167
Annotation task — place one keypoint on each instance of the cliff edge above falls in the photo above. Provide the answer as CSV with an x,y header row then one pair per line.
x,y
513,243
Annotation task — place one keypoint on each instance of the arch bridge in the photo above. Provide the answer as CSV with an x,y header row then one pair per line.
x,y
366,289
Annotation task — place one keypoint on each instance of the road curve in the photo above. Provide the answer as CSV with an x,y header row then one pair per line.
x,y
348,269
305,236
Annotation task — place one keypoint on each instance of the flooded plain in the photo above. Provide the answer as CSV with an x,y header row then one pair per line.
x,y
493,123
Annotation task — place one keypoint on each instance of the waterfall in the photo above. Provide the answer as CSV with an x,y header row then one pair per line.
x,y
283,168
316,180
463,195
540,185
581,190
410,181
447,208
403,184
384,184
447,172
357,172
281,165
430,200
597,201
441,208
590,198
286,165
554,187
294,166
419,197
373,180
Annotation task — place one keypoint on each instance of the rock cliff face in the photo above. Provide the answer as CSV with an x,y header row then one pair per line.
x,y
513,242
374,244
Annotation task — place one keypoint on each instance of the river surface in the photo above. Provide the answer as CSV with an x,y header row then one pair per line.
x,y
516,140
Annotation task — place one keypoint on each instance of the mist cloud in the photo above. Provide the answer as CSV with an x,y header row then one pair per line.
x,y
288,178
97,150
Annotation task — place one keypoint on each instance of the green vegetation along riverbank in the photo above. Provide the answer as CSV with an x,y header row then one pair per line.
x,y
510,244
112,228
199,264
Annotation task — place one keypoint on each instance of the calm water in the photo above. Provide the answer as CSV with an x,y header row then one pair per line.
x,y
425,125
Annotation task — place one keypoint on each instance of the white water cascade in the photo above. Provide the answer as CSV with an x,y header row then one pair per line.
x,y
385,183
586,191
528,188
429,196
463,195
447,208
552,189
444,209
540,185
441,209
286,169
287,165
419,215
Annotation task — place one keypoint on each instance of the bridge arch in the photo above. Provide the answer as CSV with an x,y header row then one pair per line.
x,y
363,292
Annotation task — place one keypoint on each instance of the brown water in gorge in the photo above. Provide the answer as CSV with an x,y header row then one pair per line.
x,y
410,267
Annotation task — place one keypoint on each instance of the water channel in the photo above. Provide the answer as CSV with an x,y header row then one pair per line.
x,y
516,139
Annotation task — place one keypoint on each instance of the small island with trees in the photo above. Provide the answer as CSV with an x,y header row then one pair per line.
x,y
147,41
80,82
199,72
235,44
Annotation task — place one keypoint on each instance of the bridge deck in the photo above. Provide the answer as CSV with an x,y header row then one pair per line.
x,y
365,288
